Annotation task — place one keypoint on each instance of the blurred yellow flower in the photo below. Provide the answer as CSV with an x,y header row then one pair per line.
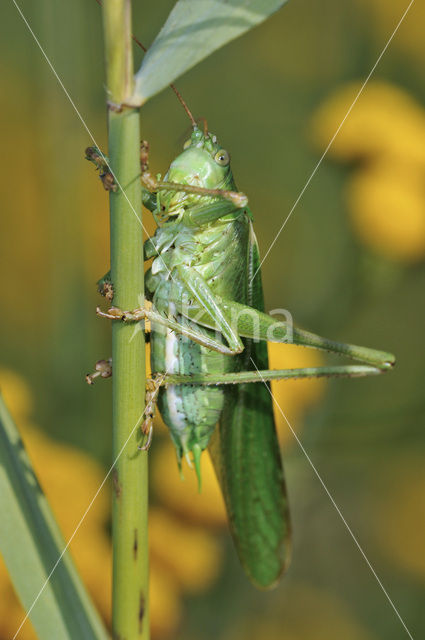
x,y
385,120
386,193
182,495
164,602
294,397
387,208
194,556
399,520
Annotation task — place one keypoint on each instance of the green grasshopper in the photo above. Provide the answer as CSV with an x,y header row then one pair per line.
x,y
209,338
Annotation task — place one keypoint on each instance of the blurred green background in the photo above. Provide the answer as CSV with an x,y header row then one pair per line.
x,y
349,264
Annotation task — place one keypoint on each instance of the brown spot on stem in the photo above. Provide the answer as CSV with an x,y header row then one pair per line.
x,y
141,611
135,544
116,483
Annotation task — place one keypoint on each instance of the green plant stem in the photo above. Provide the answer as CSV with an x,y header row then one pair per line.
x,y
130,619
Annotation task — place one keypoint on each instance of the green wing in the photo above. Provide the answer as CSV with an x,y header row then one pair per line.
x,y
246,456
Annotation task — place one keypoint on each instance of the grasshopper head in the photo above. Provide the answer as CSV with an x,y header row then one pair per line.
x,y
203,163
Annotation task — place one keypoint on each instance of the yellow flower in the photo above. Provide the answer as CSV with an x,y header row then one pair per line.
x,y
384,121
400,532
194,556
182,495
164,602
387,208
294,397
67,497
386,194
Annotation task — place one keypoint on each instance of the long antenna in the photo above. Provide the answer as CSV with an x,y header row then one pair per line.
x,y
184,105
173,86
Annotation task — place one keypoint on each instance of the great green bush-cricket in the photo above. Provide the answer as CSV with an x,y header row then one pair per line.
x,y
209,338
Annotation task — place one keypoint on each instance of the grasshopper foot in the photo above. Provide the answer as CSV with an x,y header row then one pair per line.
x,y
153,386
100,161
114,313
103,369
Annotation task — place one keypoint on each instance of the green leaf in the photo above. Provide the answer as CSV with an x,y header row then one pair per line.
x,y
193,30
31,544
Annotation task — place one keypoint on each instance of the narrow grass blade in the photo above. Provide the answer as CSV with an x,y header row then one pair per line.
x,y
192,31
31,543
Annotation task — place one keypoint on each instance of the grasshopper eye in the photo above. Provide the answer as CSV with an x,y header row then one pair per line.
x,y
187,144
222,157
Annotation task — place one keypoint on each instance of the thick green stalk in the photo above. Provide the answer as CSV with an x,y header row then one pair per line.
x,y
130,619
